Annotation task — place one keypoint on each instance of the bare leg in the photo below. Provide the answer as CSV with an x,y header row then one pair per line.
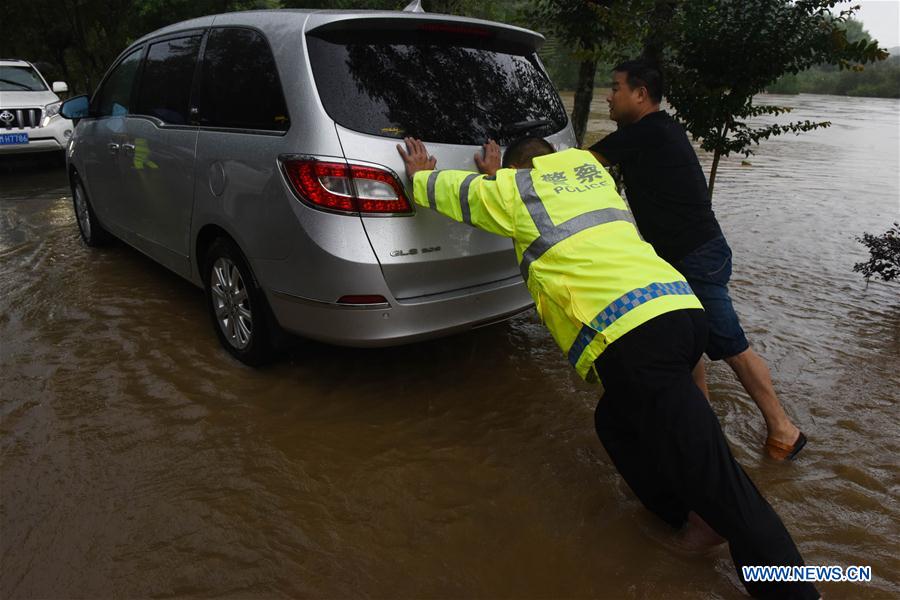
x,y
699,374
754,375
697,535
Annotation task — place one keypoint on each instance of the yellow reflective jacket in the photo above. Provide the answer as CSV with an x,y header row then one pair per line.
x,y
591,276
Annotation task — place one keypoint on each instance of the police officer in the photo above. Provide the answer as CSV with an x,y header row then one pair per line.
x,y
627,317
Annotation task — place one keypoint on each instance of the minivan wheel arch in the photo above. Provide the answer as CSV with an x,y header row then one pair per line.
x,y
266,337
207,235
92,231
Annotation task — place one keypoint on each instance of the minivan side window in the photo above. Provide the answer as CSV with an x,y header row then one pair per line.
x,y
239,86
114,97
165,87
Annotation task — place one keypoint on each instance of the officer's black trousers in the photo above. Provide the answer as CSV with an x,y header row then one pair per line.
x,y
665,440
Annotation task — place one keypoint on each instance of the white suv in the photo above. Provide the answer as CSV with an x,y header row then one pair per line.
x,y
29,110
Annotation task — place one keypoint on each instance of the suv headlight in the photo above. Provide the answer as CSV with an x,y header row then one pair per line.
x,y
52,109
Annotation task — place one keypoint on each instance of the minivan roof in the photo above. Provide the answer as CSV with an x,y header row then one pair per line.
x,y
261,19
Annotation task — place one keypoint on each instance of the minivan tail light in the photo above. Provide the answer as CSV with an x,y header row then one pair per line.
x,y
346,188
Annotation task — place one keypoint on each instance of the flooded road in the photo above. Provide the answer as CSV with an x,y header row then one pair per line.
x,y
139,460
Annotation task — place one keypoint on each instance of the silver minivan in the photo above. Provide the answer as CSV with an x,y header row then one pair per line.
x,y
254,153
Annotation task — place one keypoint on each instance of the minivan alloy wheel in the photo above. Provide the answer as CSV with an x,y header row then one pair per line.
x,y
231,302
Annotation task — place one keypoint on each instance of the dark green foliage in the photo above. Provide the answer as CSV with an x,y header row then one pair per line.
x,y
578,26
718,53
881,80
586,33
76,40
884,255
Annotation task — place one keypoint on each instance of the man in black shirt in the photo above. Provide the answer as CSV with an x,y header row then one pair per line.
x,y
669,198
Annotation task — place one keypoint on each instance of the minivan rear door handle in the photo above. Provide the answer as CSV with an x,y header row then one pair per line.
x,y
128,149
113,148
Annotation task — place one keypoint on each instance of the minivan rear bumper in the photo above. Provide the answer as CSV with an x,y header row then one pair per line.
x,y
397,322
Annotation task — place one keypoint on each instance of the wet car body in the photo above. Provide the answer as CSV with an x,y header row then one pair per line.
x,y
173,157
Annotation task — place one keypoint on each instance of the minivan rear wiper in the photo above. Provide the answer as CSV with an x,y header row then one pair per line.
x,y
521,127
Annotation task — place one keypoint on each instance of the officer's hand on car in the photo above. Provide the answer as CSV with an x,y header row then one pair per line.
x,y
490,164
416,157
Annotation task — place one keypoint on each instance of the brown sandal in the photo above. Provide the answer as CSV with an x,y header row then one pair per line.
x,y
780,451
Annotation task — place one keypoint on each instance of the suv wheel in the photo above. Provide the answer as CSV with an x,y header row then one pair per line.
x,y
92,232
237,306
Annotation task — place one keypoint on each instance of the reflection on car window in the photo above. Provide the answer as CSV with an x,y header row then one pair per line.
x,y
165,88
113,98
20,79
439,92
239,83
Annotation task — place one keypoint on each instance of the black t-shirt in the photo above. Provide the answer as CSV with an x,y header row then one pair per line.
x,y
664,183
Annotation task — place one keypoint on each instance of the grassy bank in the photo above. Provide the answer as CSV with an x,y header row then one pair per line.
x,y
880,80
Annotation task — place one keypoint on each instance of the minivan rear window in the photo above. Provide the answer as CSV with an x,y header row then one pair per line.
x,y
442,88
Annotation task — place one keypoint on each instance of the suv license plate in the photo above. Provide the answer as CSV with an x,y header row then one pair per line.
x,y
13,138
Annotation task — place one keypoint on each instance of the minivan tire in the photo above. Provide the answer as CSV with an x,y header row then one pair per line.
x,y
92,232
238,308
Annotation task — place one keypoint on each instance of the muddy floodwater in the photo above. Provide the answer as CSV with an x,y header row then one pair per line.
x,y
140,460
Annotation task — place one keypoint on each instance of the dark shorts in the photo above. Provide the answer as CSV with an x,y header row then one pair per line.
x,y
708,269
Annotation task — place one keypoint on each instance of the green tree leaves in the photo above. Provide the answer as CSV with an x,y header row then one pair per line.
x,y
592,31
884,255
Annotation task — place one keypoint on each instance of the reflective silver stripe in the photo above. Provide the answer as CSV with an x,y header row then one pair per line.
x,y
432,179
464,198
533,202
548,239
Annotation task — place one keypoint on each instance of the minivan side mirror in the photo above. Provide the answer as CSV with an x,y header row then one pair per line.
x,y
59,87
75,108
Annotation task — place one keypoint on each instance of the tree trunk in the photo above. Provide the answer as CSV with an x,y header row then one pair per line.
x,y
721,137
712,172
584,93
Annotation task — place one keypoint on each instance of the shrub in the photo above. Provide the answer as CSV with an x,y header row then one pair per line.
x,y
884,254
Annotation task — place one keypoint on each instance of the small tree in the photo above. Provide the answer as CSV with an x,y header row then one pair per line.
x,y
577,24
724,52
884,255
